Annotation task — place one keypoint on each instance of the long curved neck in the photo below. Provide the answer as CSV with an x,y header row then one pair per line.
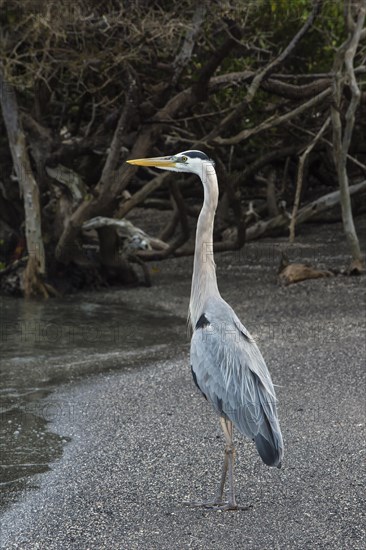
x,y
204,282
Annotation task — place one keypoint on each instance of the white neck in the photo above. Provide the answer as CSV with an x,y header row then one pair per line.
x,y
204,282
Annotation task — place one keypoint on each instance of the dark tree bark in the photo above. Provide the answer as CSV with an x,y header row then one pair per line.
x,y
36,266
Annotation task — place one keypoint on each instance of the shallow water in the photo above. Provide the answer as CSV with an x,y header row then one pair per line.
x,y
44,344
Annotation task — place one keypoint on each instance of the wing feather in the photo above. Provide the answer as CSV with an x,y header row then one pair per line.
x,y
231,372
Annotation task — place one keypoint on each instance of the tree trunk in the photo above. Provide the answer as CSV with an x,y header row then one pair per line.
x,y
343,67
36,266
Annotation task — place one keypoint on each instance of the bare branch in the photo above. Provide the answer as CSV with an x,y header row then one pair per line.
x,y
200,87
267,70
140,196
274,121
272,85
229,119
290,91
115,147
350,22
168,230
324,140
267,159
300,175
185,53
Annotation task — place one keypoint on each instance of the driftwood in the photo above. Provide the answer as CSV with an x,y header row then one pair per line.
x,y
116,260
295,273
356,267
125,229
71,180
326,202
290,273
281,222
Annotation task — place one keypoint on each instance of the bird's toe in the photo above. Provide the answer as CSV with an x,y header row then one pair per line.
x,y
217,505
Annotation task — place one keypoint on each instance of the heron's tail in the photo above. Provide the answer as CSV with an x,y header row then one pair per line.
x,y
269,444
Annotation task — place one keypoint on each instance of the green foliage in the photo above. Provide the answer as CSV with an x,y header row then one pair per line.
x,y
281,18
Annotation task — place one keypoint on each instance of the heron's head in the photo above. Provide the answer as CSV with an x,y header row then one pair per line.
x,y
188,161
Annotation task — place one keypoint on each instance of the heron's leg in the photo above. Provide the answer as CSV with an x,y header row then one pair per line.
x,y
232,499
227,427
218,503
220,490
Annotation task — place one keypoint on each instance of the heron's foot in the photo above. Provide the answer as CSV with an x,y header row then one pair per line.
x,y
219,505
205,503
232,506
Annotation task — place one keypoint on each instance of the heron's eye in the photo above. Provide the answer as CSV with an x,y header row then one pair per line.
x,y
183,158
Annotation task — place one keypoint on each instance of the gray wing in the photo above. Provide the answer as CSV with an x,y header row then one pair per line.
x,y
230,371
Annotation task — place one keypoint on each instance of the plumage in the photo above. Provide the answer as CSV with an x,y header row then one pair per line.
x,y
227,366
196,155
202,322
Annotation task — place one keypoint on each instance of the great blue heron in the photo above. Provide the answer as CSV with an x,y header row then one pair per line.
x,y
227,366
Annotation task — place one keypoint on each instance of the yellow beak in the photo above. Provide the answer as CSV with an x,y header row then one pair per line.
x,y
159,162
